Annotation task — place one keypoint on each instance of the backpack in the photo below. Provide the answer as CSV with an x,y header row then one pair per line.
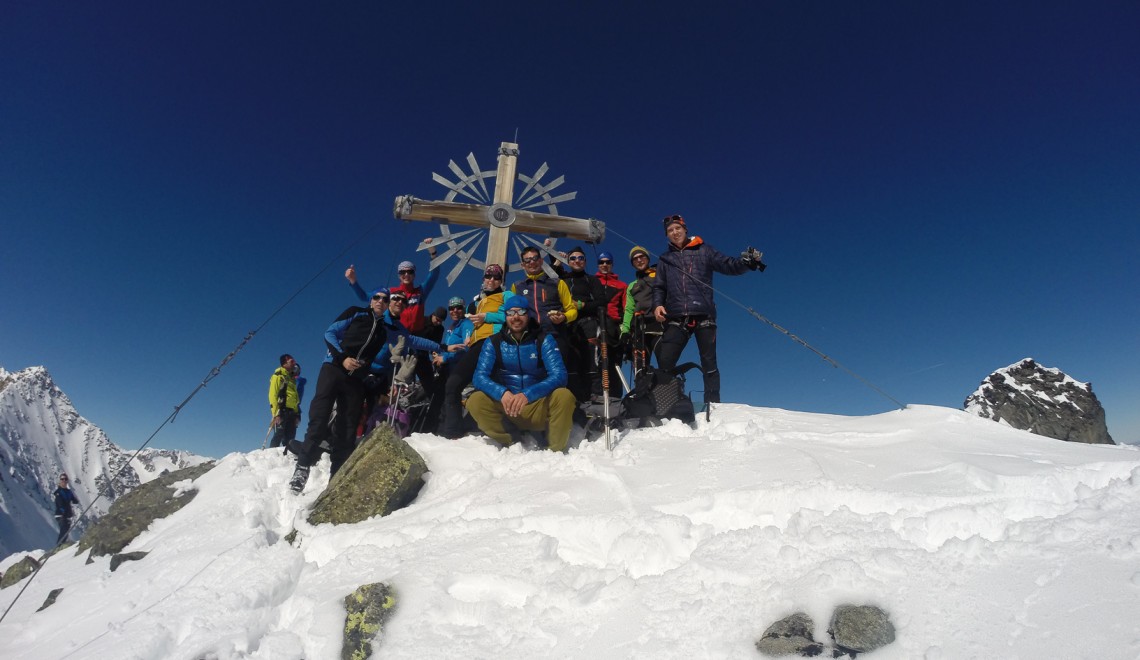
x,y
657,395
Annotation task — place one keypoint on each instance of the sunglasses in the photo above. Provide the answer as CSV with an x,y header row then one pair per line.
x,y
515,312
407,272
531,259
605,262
638,256
492,277
456,308
576,257
380,297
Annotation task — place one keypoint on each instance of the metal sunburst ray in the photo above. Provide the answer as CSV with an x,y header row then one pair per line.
x,y
477,171
446,237
464,257
455,188
455,245
538,174
539,189
541,196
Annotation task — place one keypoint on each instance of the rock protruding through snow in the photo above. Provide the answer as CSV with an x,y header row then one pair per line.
x,y
1034,398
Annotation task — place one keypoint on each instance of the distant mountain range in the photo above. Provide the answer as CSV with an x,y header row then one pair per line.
x,y
41,435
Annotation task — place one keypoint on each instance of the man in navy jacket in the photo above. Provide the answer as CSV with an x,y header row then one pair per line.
x,y
683,298
64,499
521,378
354,341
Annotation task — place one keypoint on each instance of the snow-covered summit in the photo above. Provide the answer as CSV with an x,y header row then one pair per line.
x,y
978,540
1029,396
41,435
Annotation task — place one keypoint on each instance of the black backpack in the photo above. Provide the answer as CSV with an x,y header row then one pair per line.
x,y
657,395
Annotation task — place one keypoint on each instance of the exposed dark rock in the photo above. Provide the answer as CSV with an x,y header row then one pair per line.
x,y
50,600
382,475
1040,400
19,571
133,513
791,635
368,609
860,628
125,556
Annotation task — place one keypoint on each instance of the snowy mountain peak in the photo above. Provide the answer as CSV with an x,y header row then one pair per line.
x,y
1029,396
41,435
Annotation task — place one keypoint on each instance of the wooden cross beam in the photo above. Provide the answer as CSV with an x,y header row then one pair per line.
x,y
500,217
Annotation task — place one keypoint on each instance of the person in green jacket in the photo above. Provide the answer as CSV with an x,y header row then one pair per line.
x,y
284,403
640,332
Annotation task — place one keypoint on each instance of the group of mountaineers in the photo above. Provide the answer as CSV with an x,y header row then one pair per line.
x,y
532,355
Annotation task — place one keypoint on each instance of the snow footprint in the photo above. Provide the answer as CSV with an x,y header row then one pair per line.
x,y
479,598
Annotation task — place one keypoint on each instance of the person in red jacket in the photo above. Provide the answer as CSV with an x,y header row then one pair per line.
x,y
413,316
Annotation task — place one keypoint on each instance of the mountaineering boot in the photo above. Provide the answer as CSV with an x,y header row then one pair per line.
x,y
300,476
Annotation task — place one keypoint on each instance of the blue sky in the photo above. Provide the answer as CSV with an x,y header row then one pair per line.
x,y
940,190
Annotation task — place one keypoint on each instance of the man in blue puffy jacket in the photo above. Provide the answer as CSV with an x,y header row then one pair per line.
x,y
521,378
683,298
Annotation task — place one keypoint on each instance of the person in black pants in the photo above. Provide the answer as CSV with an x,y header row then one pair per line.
x,y
64,500
353,341
462,369
683,298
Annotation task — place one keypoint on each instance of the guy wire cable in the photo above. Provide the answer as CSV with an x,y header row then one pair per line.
x,y
178,408
761,317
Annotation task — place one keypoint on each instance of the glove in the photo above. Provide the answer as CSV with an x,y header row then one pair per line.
x,y
752,258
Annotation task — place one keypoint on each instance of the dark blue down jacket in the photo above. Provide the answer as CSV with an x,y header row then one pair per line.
x,y
684,278
506,364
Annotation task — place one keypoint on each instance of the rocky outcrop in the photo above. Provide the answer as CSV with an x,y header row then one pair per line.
x,y
118,559
853,629
368,609
51,598
133,513
859,628
19,571
791,635
1034,398
382,475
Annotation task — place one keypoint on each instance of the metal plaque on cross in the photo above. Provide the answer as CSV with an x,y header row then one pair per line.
x,y
499,216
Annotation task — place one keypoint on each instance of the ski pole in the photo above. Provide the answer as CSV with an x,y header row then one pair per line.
x,y
272,426
605,377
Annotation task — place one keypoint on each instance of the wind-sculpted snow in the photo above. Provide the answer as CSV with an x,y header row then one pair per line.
x,y
977,539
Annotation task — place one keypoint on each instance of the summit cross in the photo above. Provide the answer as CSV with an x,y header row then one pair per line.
x,y
504,215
